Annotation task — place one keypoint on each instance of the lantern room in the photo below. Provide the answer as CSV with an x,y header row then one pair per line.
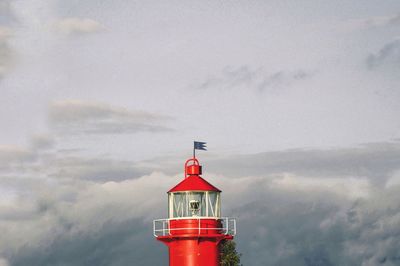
x,y
194,196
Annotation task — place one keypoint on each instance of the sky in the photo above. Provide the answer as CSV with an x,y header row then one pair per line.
x,y
100,102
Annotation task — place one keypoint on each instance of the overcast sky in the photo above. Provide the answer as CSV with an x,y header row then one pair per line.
x,y
298,100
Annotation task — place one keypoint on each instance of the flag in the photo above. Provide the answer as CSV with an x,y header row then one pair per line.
x,y
198,145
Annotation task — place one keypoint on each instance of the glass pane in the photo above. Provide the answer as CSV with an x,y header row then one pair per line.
x,y
196,202
193,204
213,204
178,203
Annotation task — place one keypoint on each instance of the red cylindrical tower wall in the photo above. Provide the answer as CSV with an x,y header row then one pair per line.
x,y
194,242
194,252
195,227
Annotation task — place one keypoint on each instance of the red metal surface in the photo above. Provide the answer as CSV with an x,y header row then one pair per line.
x,y
189,246
193,170
192,227
194,183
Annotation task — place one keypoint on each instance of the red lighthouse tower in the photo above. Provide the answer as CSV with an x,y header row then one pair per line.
x,y
195,227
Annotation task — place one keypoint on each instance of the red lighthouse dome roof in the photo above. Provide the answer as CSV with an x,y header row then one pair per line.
x,y
193,181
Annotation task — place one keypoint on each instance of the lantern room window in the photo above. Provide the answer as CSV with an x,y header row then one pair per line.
x,y
194,204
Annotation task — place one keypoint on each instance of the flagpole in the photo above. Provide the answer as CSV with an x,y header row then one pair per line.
x,y
194,151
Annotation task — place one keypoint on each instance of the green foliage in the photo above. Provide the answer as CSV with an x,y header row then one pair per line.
x,y
229,255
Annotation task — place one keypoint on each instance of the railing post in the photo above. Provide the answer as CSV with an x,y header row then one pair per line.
x,y
163,228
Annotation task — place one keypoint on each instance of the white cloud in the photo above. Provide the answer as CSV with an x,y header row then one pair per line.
x,y
374,161
258,78
15,157
95,169
352,188
304,207
5,33
369,23
4,262
5,7
62,209
80,117
388,55
73,26
6,53
379,21
282,218
42,142
394,180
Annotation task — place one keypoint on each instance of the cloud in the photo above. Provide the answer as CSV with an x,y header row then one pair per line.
x,y
80,223
79,117
77,26
354,188
5,33
388,55
381,21
374,161
370,23
4,262
6,53
6,14
42,142
257,79
395,20
42,160
294,207
44,163
311,228
7,25
394,180
95,169
13,157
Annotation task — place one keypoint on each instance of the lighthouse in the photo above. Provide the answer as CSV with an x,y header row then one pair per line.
x,y
194,228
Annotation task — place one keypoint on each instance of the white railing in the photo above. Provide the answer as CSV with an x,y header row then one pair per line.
x,y
161,226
